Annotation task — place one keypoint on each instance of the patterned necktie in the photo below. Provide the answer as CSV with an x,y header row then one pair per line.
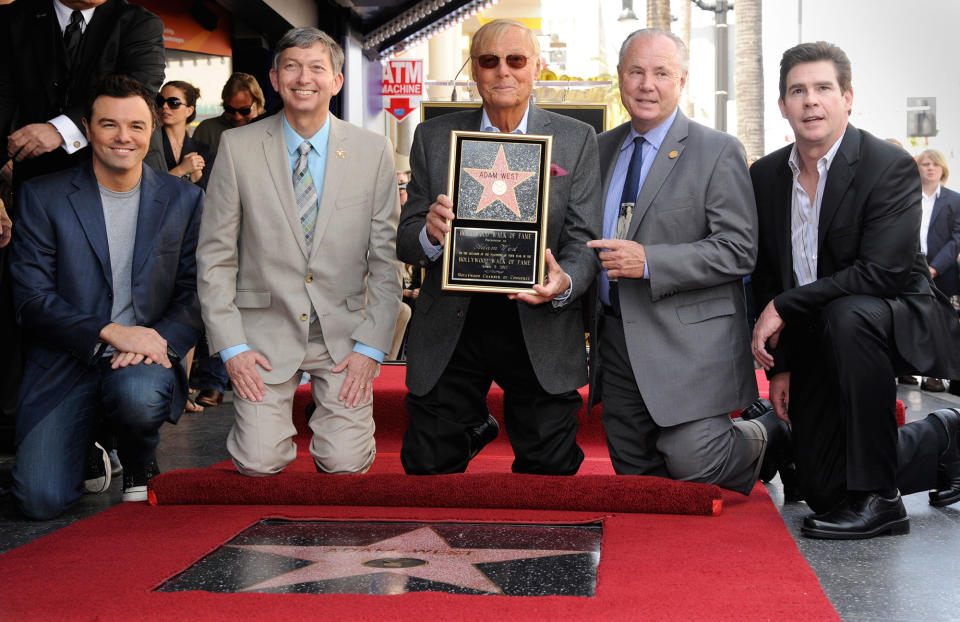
x,y
71,36
631,188
306,194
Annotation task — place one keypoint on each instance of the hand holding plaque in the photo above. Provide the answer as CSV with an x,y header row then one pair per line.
x,y
499,189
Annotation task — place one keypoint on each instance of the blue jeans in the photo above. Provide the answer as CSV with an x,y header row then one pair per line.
x,y
209,371
49,468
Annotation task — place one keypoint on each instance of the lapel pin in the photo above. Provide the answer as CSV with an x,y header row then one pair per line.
x,y
341,153
673,154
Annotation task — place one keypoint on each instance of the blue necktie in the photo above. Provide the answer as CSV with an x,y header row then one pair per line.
x,y
631,188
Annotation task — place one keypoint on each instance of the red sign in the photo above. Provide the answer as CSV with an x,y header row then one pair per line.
x,y
402,82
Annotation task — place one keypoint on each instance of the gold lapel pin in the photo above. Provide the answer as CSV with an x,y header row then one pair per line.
x,y
341,153
673,154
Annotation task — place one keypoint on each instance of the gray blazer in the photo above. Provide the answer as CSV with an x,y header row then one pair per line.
x,y
686,327
553,335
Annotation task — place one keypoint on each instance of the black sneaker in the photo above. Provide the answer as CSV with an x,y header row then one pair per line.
x,y
96,474
135,481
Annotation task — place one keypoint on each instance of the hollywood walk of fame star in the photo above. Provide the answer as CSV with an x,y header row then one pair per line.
x,y
420,553
499,183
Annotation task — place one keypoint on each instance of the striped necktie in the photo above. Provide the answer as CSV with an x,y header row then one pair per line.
x,y
306,194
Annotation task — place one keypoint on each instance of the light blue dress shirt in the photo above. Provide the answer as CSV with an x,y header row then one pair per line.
x,y
611,207
317,163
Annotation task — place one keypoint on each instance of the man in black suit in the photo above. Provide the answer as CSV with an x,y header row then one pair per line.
x,y
52,52
848,303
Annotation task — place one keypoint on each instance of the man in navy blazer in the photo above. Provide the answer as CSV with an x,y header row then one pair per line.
x,y
104,279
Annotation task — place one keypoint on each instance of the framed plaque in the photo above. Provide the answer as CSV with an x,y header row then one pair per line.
x,y
500,188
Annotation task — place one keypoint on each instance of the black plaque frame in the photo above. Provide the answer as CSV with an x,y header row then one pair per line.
x,y
469,262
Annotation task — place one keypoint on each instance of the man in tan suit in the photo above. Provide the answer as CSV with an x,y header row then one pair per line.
x,y
296,266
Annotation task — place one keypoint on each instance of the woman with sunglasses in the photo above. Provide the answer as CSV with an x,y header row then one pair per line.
x,y
185,157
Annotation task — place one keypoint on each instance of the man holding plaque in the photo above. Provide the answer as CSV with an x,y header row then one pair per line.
x,y
531,343
672,354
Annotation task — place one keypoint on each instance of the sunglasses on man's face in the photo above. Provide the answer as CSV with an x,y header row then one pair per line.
x,y
491,61
240,111
172,102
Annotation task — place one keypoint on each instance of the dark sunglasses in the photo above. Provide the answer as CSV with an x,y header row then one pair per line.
x,y
172,102
491,61
240,111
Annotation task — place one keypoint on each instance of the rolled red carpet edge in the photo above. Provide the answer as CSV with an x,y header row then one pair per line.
x,y
603,493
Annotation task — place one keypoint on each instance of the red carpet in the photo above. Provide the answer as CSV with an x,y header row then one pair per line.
x,y
603,493
741,565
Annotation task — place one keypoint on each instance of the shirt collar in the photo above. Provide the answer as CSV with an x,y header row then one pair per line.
x,y
655,136
826,160
935,195
64,12
318,141
487,126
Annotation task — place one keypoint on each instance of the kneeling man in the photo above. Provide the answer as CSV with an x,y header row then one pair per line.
x,y
104,281
297,268
849,305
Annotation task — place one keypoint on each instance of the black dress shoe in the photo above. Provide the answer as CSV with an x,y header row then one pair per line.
x,y
948,467
209,397
779,452
482,435
934,385
907,379
861,515
954,388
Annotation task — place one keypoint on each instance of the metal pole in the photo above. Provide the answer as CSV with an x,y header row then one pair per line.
x,y
720,121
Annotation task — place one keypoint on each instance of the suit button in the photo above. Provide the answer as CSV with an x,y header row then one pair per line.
x,y
460,314
304,317
308,278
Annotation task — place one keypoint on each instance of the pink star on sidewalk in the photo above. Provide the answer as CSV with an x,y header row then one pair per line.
x,y
420,553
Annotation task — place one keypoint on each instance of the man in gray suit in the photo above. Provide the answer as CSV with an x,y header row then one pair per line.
x,y
531,344
672,350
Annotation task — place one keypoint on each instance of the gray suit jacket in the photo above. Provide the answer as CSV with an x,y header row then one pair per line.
x,y
553,335
255,279
686,327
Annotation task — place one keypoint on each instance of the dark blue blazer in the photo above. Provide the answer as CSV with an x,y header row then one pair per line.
x,y
63,288
943,241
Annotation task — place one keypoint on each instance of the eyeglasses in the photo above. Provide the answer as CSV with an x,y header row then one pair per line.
x,y
240,111
172,102
491,61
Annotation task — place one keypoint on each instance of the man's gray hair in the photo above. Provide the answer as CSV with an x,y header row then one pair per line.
x,y
305,38
683,55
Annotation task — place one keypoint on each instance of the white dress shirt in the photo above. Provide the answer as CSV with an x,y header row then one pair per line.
x,y
805,217
926,204
73,137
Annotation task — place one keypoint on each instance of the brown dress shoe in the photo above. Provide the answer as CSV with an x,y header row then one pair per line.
x,y
209,397
934,385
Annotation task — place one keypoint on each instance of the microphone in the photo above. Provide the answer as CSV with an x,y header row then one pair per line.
x,y
453,93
